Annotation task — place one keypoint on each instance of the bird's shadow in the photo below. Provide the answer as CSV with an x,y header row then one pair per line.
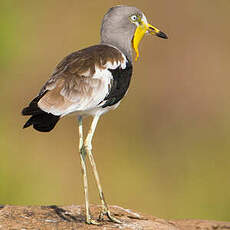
x,y
65,215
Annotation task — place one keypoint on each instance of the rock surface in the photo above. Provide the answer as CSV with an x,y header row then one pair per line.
x,y
72,217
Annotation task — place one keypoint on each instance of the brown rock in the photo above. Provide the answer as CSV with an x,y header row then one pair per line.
x,y
72,217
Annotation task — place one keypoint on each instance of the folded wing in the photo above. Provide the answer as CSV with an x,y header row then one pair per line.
x,y
81,82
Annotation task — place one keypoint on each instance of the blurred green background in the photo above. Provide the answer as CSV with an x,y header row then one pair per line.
x,y
164,151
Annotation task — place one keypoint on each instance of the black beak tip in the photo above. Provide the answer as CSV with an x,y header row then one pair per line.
x,y
162,35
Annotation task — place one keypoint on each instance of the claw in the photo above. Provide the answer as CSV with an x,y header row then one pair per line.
x,y
110,217
91,221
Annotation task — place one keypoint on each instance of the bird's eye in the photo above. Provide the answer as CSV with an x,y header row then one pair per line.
x,y
133,18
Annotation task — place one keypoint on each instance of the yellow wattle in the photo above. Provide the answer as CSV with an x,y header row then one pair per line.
x,y
138,35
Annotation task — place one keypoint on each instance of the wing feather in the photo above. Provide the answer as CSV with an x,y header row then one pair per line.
x,y
81,81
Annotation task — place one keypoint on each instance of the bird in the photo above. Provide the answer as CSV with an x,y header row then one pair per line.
x,y
91,82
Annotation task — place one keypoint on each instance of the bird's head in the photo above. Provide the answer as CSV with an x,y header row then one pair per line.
x,y
124,26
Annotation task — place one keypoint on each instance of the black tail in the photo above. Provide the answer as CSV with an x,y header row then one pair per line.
x,y
41,121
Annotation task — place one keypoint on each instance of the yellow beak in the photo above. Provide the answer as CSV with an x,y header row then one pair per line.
x,y
141,30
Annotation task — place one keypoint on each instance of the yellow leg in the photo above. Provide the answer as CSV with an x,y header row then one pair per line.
x,y
88,148
84,173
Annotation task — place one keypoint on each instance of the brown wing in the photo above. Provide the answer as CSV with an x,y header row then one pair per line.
x,y
80,81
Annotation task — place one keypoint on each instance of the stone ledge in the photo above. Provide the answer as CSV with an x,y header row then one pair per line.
x,y
72,217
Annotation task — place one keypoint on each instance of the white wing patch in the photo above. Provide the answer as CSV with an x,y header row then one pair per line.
x,y
83,93
91,102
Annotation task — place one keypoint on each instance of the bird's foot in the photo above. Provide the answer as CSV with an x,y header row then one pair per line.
x,y
107,213
89,220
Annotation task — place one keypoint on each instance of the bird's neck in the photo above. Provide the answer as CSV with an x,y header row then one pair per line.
x,y
124,45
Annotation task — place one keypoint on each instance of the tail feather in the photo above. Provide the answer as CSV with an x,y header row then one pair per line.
x,y
31,111
40,120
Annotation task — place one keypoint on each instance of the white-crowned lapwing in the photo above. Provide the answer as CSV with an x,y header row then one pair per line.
x,y
92,81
